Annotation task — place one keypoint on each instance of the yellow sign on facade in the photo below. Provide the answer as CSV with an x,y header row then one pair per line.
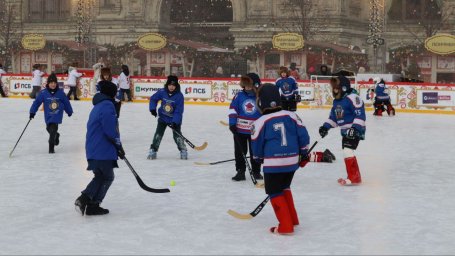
x,y
33,42
288,41
152,41
441,44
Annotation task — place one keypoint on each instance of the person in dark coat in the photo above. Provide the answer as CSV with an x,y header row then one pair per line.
x,y
103,147
55,102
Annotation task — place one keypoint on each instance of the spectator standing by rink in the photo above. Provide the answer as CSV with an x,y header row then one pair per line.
x,y
55,102
124,83
294,71
242,113
2,72
73,76
348,112
97,74
37,80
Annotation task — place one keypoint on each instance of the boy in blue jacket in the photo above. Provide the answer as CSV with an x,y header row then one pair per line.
x,y
280,141
348,112
55,102
103,148
170,114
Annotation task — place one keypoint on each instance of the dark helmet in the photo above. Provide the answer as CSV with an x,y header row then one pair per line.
x,y
108,88
268,98
343,84
256,80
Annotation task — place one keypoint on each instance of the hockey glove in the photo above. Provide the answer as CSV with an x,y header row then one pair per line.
x,y
352,134
32,115
153,111
323,131
304,159
120,151
69,115
259,160
173,125
298,98
233,129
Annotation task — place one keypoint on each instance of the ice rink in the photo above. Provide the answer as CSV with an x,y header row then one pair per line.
x,y
406,204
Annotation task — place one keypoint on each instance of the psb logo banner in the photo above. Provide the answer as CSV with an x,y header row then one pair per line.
x,y
21,86
146,89
196,91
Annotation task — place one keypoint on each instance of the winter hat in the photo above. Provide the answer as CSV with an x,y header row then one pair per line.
x,y
52,78
268,98
108,88
174,80
256,80
245,81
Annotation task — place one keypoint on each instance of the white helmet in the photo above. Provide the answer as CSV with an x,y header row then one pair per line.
x,y
376,79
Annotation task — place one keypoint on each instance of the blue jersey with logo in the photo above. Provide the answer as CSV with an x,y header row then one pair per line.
x,y
171,109
380,91
279,138
288,87
54,105
347,112
243,111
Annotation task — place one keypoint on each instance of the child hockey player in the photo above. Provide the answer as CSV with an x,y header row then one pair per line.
x,y
170,114
103,147
106,75
2,72
242,113
382,98
55,102
288,89
73,75
348,112
280,140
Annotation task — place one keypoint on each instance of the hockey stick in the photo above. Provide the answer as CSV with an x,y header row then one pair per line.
x,y
224,123
247,163
142,184
11,153
213,163
261,205
202,147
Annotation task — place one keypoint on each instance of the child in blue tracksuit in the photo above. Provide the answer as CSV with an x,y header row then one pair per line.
x,y
55,102
280,141
348,112
289,90
170,114
103,147
242,113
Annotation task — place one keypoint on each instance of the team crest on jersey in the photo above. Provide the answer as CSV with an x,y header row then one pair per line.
x,y
286,87
249,107
53,106
339,112
168,108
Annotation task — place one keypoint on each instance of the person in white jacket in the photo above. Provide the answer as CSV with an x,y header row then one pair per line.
x,y
124,83
2,72
96,75
73,75
37,80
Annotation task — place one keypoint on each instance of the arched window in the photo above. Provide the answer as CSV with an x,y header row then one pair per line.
x,y
411,10
48,10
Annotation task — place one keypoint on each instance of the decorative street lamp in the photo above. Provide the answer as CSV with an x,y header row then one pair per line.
x,y
84,21
376,28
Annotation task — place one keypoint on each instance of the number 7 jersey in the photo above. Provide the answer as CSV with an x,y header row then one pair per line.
x,y
279,138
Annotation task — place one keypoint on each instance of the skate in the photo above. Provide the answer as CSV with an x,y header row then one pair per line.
x,y
328,156
51,149
239,176
184,154
258,176
95,209
81,204
347,182
152,154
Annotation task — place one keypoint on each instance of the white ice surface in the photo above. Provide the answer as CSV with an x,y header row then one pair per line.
x,y
406,204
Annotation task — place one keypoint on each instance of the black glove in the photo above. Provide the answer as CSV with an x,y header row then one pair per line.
x,y
259,160
303,160
323,131
32,115
173,125
352,134
120,151
233,129
298,98
69,115
153,111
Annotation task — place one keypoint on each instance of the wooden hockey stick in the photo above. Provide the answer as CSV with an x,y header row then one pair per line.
x,y
199,148
224,123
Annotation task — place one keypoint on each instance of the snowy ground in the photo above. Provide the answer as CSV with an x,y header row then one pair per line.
x,y
405,205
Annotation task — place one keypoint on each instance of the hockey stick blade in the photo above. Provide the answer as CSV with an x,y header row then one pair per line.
x,y
201,163
224,123
142,184
239,215
202,147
